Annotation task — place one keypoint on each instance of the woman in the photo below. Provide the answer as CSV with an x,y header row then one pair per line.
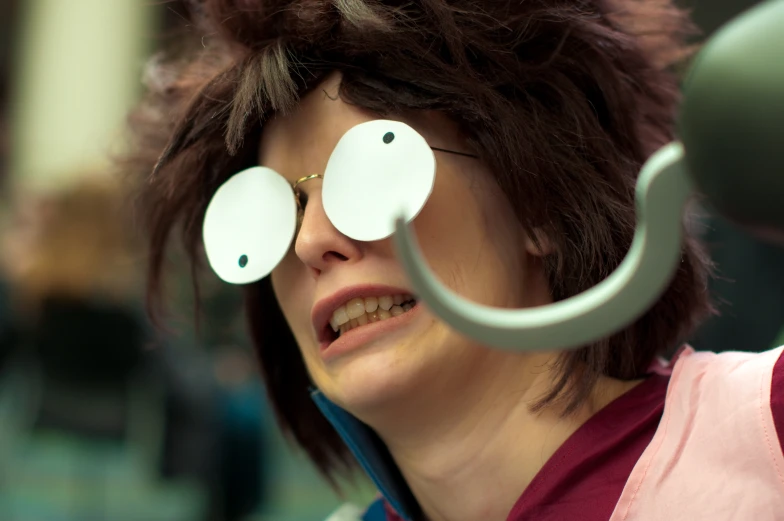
x,y
539,115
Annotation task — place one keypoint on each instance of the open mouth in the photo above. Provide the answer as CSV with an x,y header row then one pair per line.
x,y
360,311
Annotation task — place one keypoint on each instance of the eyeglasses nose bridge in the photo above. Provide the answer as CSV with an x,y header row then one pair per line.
x,y
296,190
302,180
306,178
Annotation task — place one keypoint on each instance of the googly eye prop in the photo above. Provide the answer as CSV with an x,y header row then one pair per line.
x,y
379,170
731,129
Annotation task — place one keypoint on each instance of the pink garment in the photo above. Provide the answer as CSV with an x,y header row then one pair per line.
x,y
716,455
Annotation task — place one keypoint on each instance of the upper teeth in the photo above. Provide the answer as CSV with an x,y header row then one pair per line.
x,y
368,309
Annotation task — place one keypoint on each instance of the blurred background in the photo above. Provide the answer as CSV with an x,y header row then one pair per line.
x,y
103,417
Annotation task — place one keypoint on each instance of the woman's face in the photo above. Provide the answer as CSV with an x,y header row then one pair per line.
x,y
468,235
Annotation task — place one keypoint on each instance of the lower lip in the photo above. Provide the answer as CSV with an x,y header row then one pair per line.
x,y
361,335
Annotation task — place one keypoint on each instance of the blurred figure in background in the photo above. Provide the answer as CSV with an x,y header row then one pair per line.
x,y
5,323
93,423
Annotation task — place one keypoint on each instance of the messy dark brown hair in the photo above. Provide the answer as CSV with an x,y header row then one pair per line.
x,y
563,99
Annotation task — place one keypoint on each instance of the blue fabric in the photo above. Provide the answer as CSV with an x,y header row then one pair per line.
x,y
372,455
375,512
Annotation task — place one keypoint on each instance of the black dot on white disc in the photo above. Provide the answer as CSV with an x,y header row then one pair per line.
x,y
243,261
388,137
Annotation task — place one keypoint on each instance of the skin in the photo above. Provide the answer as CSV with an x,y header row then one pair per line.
x,y
452,412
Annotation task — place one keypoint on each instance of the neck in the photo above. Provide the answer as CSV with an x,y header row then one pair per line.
x,y
469,453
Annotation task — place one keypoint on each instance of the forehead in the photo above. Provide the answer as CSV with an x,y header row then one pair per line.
x,y
300,142
304,138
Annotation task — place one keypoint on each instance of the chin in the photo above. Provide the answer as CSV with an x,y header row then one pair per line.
x,y
367,380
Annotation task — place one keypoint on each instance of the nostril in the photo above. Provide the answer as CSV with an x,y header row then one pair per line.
x,y
334,255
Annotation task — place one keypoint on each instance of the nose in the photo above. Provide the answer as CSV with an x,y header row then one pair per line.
x,y
319,245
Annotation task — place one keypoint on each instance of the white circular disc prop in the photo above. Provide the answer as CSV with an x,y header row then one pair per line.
x,y
249,225
377,171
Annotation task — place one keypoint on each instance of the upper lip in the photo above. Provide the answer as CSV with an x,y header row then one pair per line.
x,y
323,309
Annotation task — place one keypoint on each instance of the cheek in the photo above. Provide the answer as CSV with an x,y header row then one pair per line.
x,y
471,239
288,286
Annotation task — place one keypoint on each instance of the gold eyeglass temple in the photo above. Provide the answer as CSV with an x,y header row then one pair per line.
x,y
320,176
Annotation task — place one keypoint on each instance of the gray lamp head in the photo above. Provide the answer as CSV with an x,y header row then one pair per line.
x,y
732,121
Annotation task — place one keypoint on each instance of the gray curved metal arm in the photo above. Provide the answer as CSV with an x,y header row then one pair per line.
x,y
662,191
731,123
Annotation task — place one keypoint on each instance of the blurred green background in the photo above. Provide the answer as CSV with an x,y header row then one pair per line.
x,y
69,73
